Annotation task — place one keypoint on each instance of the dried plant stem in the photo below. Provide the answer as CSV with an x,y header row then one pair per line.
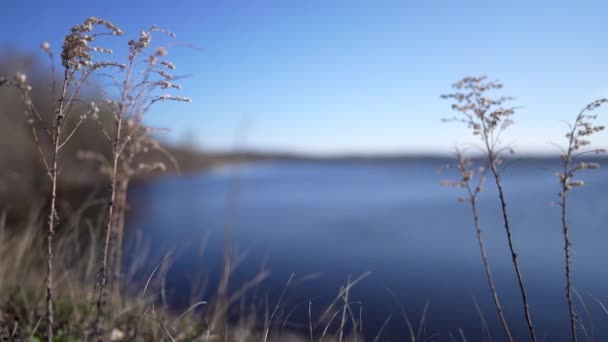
x,y
119,229
488,117
578,137
106,248
116,149
567,158
53,172
505,217
486,264
567,251
50,234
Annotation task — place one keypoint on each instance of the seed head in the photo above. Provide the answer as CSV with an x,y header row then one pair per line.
x,y
485,116
93,108
76,50
169,65
161,52
46,47
577,183
20,78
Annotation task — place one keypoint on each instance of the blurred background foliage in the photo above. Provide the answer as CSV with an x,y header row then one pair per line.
x,y
22,173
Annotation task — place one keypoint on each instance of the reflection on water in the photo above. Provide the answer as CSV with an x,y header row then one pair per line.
x,y
337,219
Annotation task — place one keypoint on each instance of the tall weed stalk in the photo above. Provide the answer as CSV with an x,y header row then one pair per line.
x,y
78,65
137,86
472,181
577,136
488,118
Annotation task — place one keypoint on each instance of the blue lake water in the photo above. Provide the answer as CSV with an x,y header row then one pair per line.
x,y
393,219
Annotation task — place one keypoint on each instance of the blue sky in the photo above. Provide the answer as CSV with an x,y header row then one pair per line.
x,y
352,76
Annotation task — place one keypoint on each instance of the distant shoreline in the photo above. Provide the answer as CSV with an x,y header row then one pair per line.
x,y
231,157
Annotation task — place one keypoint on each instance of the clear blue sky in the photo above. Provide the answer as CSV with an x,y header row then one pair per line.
x,y
353,76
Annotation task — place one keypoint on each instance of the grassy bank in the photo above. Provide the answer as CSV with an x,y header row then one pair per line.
x,y
136,310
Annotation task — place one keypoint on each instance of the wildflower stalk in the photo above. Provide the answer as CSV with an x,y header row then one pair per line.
x,y
488,118
567,243
486,264
52,170
116,148
579,131
131,138
464,167
567,251
78,65
53,217
505,217
60,111
121,207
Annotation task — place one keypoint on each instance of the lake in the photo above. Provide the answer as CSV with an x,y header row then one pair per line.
x,y
326,221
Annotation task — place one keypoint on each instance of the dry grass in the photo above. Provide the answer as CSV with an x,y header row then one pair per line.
x,y
139,313
488,117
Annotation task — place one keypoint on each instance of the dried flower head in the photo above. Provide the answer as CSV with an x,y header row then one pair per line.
x,y
161,52
20,78
46,47
169,65
76,45
578,137
487,117
23,87
471,178
169,97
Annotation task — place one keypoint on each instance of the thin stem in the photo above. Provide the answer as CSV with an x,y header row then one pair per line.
x,y
118,233
53,172
103,270
567,158
71,133
493,161
486,264
567,251
47,167
507,226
